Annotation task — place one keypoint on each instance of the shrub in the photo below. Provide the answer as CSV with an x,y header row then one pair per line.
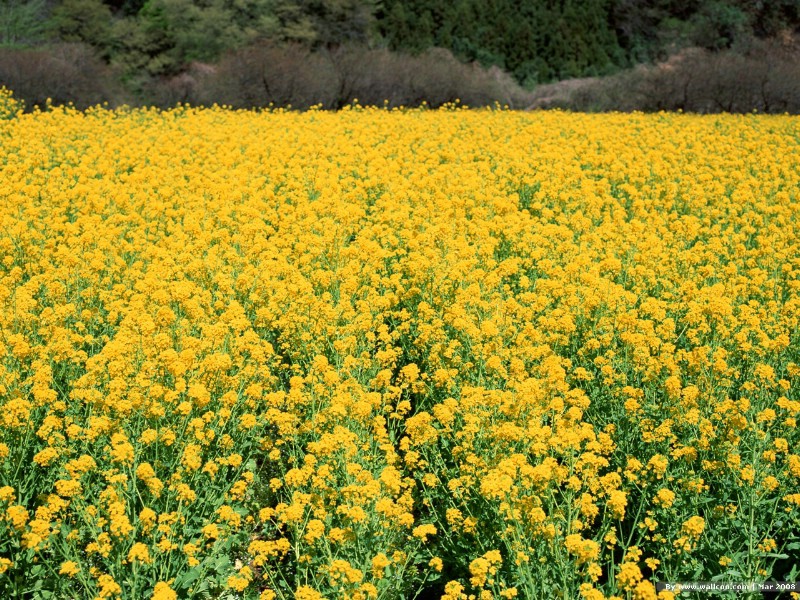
x,y
264,75
65,73
766,78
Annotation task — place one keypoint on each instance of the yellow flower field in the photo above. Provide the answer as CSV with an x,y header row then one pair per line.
x,y
393,354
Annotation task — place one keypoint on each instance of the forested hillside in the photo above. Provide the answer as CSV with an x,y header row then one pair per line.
x,y
535,41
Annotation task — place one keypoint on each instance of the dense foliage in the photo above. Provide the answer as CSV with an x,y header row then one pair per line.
x,y
535,40
481,354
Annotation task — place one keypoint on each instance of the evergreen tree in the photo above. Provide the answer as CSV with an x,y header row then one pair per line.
x,y
337,22
22,22
87,21
537,40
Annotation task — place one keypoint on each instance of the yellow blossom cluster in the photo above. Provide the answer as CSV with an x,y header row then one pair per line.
x,y
481,354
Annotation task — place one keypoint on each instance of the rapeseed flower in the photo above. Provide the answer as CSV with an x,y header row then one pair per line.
x,y
485,343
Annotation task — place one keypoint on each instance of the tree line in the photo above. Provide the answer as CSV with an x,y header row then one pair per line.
x,y
535,40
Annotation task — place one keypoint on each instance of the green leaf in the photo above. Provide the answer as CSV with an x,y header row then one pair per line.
x,y
184,580
222,564
729,574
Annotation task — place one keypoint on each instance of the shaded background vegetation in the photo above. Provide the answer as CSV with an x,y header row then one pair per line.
x,y
735,55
